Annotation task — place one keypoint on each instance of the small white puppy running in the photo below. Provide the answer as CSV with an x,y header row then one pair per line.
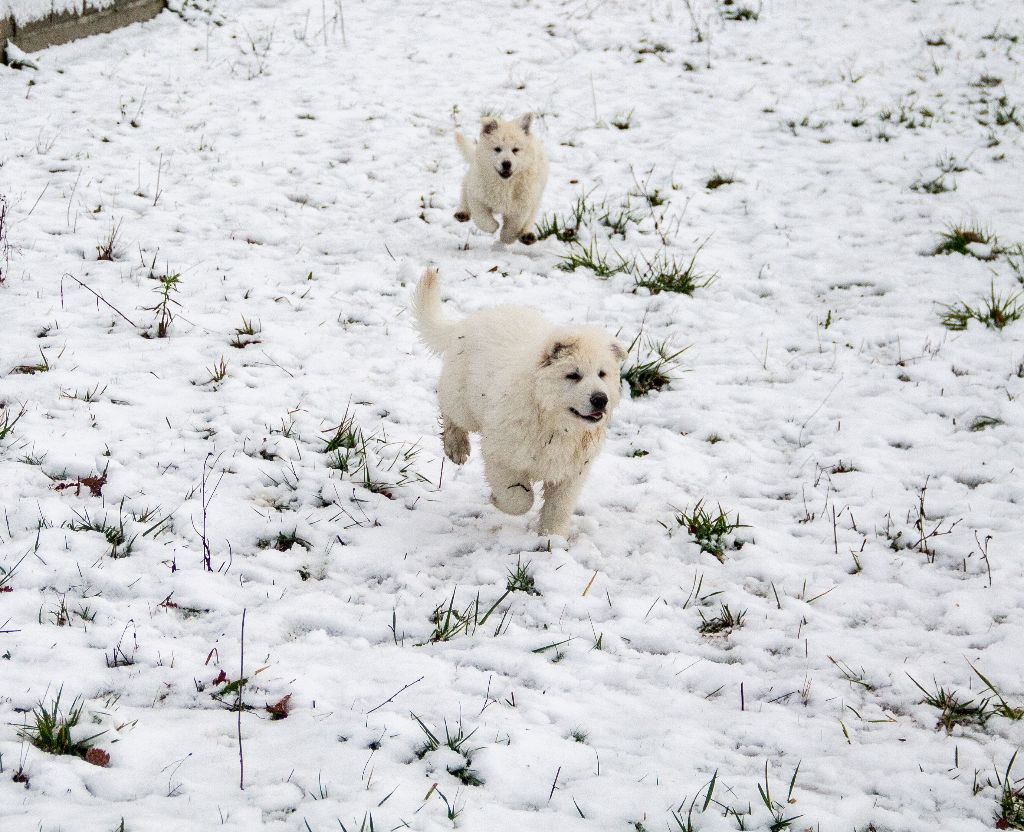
x,y
507,174
539,395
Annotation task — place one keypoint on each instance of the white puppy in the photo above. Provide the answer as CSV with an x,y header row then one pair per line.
x,y
507,174
539,395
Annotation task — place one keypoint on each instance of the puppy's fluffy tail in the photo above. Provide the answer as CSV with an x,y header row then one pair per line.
x,y
436,331
467,147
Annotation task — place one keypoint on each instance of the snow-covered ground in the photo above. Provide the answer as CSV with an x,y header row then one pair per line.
x,y
297,175
26,11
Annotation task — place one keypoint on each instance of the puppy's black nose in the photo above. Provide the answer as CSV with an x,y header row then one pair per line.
x,y
506,165
598,401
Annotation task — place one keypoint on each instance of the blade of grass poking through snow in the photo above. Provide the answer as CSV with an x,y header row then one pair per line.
x,y
651,367
1005,709
1011,800
590,256
952,709
665,273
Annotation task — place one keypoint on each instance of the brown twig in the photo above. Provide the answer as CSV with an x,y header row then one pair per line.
x,y
97,294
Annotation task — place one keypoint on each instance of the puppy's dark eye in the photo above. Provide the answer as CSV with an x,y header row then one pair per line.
x,y
497,150
574,376
602,374
515,149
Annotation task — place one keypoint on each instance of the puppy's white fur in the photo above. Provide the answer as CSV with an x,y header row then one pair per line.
x,y
507,174
539,395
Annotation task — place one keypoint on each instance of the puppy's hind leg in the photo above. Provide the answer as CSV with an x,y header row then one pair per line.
x,y
559,501
455,441
462,215
510,492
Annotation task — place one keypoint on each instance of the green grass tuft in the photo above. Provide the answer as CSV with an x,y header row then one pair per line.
x,y
650,371
458,743
724,622
952,709
664,273
53,730
707,529
996,311
116,534
1011,801
589,256
957,239
520,579
717,180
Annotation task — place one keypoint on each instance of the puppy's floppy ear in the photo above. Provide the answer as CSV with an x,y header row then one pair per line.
x,y
556,349
488,126
525,121
619,351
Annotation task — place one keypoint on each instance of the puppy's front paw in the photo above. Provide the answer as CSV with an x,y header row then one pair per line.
x,y
528,239
549,529
456,446
516,499
462,216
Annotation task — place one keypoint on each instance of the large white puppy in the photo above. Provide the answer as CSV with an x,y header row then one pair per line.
x,y
507,174
539,395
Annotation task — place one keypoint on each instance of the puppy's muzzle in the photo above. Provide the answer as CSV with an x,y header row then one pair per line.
x,y
505,171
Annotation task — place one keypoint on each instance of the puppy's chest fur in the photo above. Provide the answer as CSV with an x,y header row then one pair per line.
x,y
502,196
553,454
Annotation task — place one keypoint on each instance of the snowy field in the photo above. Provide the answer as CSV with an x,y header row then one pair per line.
x,y
215,410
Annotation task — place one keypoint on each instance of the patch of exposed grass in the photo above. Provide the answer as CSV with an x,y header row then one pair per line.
x,y
952,709
457,742
1004,708
657,48
247,333
450,622
8,419
724,622
521,580
218,372
908,113
116,534
566,227
53,731
937,185
980,423
717,180
110,247
369,459
731,10
651,366
31,369
285,541
590,256
623,121
665,273
996,311
709,530
617,220
948,163
958,239
1015,260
